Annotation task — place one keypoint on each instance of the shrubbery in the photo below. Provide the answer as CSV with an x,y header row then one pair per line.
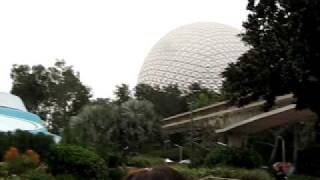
x,y
226,156
199,154
309,161
36,174
77,161
16,163
23,141
144,161
117,173
65,177
219,156
172,153
223,172
301,177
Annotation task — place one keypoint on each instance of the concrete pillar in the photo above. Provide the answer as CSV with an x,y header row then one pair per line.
x,y
237,140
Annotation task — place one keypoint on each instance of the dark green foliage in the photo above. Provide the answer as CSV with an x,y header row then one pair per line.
x,y
222,172
167,101
122,93
246,158
302,177
219,156
77,161
95,127
170,100
23,141
171,153
236,157
198,96
117,173
284,55
37,174
4,169
30,83
115,159
309,161
144,161
178,138
65,177
20,165
111,127
55,93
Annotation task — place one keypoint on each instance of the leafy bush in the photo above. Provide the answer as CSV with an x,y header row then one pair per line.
x,y
300,177
144,161
116,173
226,156
309,161
65,177
77,161
23,141
114,159
172,153
192,173
4,169
223,172
17,163
36,174
219,156
246,158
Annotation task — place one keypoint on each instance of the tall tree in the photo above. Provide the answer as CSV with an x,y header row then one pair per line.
x,y
55,93
31,84
198,96
122,93
167,100
283,37
128,126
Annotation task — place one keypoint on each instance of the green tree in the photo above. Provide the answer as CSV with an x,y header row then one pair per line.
x,y
283,37
199,96
96,126
31,84
122,93
55,93
139,124
167,100
260,72
128,126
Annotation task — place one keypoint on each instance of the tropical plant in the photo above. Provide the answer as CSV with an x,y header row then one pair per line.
x,y
77,161
24,140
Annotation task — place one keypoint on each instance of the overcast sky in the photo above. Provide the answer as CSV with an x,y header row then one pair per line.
x,y
106,41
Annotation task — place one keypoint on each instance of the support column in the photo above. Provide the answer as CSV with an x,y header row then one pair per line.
x,y
295,145
237,140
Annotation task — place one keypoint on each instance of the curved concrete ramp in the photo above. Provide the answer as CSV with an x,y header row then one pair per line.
x,y
273,118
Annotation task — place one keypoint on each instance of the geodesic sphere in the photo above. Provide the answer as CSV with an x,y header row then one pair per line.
x,y
195,53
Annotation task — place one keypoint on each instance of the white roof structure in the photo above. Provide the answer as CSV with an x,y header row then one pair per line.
x,y
8,123
195,53
14,116
11,101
